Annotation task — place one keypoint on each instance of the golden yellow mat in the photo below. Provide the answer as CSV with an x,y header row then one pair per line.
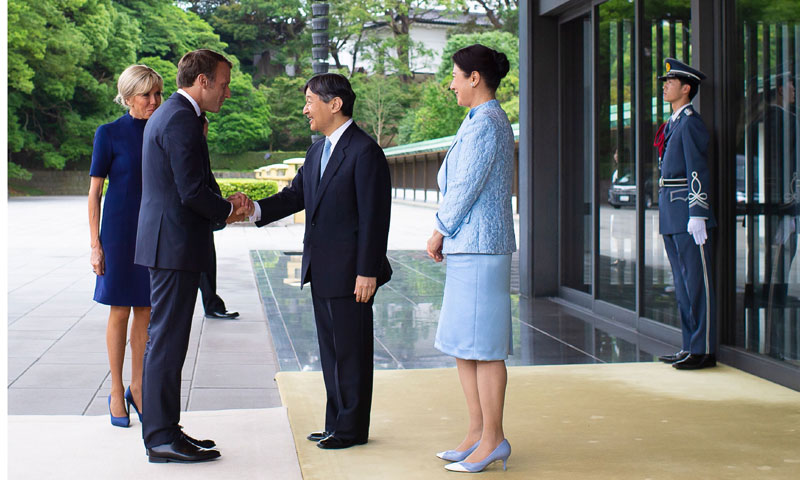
x,y
613,421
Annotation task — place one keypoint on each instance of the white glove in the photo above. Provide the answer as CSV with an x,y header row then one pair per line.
x,y
697,228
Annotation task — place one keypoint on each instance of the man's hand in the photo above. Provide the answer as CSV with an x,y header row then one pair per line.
x,y
697,228
98,260
243,207
365,288
435,246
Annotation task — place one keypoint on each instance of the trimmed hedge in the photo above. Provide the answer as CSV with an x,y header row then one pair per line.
x,y
253,188
248,161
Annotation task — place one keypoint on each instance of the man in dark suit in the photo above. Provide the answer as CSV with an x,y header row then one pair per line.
x,y
174,239
685,216
213,305
345,189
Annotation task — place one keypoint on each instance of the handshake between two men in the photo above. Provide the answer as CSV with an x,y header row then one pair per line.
x,y
243,208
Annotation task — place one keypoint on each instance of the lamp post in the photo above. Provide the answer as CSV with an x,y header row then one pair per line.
x,y
319,38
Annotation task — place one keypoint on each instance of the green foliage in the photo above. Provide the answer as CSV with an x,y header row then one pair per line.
x,y
15,172
290,130
63,57
381,103
243,121
167,70
257,29
255,189
501,41
439,114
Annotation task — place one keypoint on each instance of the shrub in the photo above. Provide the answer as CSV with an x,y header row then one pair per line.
x,y
253,188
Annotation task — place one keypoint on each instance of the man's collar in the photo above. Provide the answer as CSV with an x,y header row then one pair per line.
x,y
337,134
193,102
677,112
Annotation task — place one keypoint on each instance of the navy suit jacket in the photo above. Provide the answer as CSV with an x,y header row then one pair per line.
x,y
347,213
685,157
180,199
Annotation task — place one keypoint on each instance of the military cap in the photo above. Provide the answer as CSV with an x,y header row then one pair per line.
x,y
678,69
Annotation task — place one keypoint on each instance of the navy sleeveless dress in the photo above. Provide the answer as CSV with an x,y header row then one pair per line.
x,y
117,155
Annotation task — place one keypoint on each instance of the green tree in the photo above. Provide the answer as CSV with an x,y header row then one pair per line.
x,y
289,126
501,41
62,59
381,103
264,34
503,14
243,122
439,114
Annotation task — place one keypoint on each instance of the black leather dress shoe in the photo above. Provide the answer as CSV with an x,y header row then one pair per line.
x,y
317,436
332,442
225,314
676,357
696,362
200,443
181,451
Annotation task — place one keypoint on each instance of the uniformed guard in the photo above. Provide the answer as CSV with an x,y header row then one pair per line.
x,y
686,221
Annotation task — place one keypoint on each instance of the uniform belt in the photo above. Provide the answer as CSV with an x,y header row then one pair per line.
x,y
672,182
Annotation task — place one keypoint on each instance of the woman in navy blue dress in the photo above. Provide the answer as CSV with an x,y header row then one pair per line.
x,y
121,284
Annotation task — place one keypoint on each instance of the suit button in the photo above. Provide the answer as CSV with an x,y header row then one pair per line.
x,y
313,224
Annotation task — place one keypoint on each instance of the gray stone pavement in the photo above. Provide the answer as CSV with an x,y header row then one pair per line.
x,y
57,363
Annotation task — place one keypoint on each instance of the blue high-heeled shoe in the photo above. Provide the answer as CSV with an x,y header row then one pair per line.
x,y
502,452
123,422
457,456
131,403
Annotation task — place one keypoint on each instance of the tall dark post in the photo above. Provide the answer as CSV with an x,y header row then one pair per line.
x,y
319,37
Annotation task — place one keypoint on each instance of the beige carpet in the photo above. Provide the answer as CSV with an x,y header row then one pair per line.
x,y
619,421
255,444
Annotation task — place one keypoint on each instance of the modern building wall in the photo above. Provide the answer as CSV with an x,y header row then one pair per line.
x,y
590,104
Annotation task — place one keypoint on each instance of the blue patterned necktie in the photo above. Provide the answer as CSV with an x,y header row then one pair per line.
x,y
326,155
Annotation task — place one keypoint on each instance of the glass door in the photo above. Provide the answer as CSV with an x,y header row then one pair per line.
x,y
576,154
767,164
616,154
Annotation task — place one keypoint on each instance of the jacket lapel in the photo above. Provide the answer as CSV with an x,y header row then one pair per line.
x,y
338,155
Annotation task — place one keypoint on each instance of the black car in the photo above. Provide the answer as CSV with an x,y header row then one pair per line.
x,y
622,192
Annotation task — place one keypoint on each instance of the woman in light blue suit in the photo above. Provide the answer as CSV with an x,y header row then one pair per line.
x,y
475,229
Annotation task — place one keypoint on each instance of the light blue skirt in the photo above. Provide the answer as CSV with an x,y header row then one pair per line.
x,y
475,322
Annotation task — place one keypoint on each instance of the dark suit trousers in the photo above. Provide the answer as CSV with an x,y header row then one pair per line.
x,y
172,294
694,289
208,288
344,332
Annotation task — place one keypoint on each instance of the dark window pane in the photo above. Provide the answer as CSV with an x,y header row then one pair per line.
x,y
767,183
616,153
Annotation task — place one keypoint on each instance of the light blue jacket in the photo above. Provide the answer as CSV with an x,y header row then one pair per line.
x,y
475,180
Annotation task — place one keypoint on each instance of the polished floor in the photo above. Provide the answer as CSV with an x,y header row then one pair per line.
x,y
406,314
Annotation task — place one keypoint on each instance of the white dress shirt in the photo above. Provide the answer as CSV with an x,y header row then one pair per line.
x,y
333,138
193,102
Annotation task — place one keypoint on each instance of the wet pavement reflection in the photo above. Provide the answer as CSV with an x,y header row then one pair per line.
x,y
407,311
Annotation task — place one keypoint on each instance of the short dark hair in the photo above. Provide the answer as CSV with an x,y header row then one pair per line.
x,y
198,62
491,64
331,85
693,84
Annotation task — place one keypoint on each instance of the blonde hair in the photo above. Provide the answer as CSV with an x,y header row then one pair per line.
x,y
135,80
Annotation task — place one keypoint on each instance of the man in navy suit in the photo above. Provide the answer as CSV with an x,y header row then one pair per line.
x,y
345,189
685,216
180,204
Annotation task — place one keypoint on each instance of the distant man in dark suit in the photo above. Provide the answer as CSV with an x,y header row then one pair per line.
x,y
685,217
345,189
179,206
213,305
